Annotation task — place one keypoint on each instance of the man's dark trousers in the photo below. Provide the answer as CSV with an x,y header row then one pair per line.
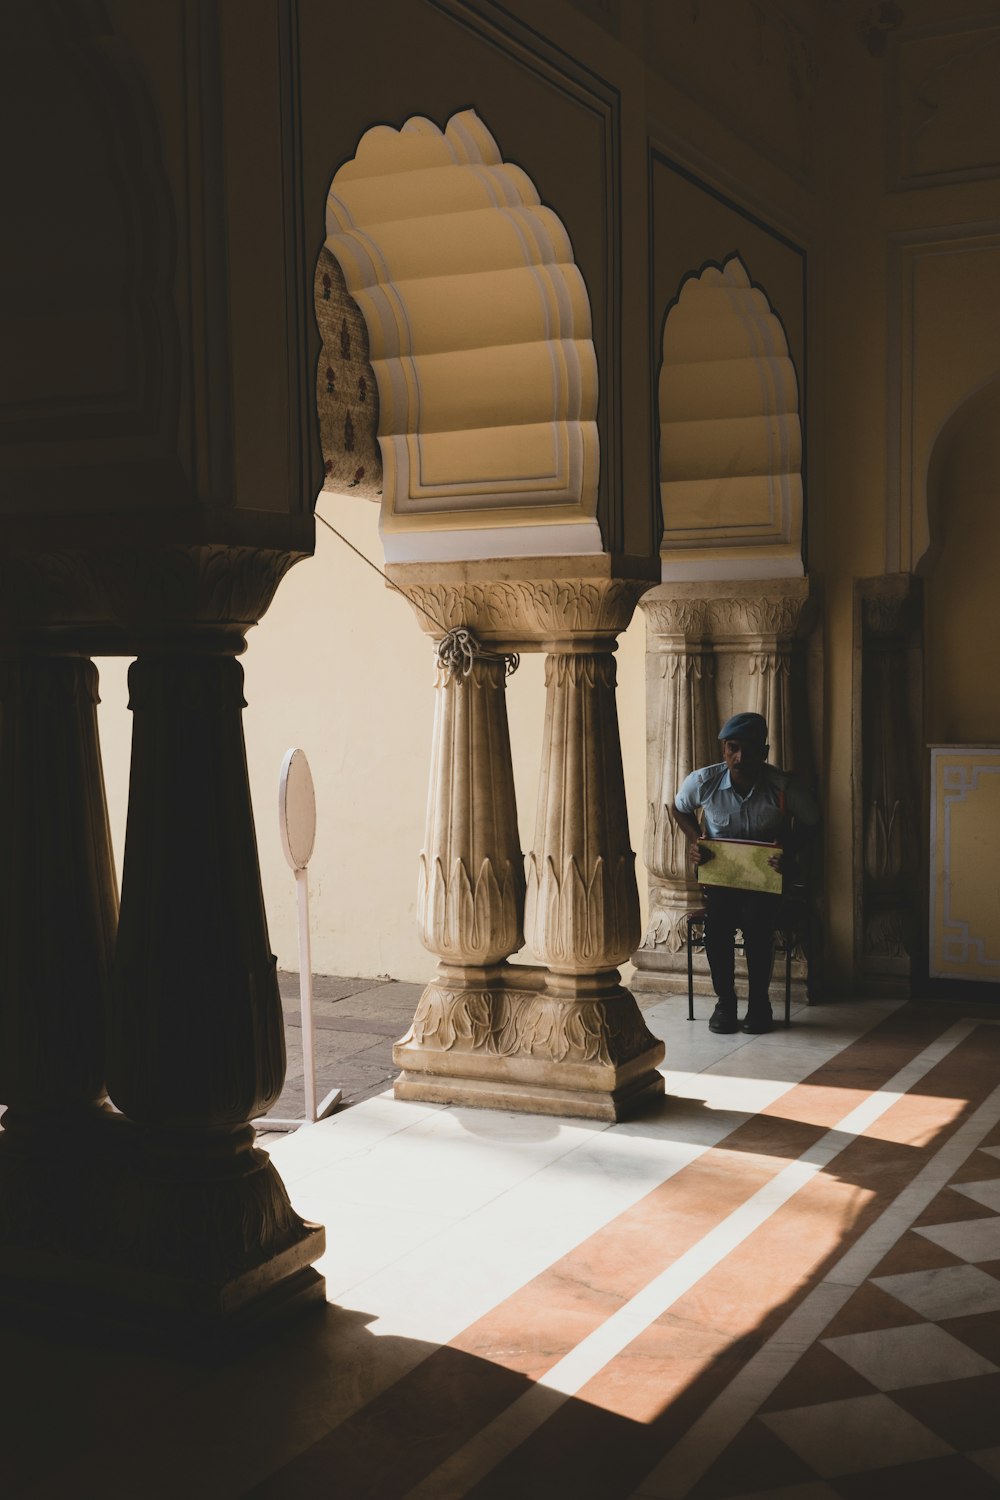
x,y
756,913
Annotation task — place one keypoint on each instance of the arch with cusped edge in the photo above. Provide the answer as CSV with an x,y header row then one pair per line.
x,y
478,328
730,463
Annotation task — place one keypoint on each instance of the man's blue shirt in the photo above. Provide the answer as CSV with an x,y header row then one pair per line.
x,y
758,815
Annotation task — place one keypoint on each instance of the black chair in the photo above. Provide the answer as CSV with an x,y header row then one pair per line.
x,y
789,934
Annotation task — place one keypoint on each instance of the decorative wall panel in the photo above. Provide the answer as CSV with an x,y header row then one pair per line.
x,y
965,883
945,119
944,332
753,66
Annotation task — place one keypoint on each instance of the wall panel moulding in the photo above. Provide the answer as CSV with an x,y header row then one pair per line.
x,y
757,73
944,110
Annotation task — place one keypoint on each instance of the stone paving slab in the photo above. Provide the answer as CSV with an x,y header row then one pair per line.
x,y
356,1023
326,987
348,1023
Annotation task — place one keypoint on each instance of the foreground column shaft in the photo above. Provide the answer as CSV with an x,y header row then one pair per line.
x,y
58,911
196,1047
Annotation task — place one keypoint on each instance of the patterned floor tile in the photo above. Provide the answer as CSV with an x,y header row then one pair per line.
x,y
981,1332
948,1292
869,1308
976,1168
816,1489
950,1205
962,1412
955,1477
972,1240
895,1358
755,1456
986,1193
818,1376
988,1458
848,1437
913,1252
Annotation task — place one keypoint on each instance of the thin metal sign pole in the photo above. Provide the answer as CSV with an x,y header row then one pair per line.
x,y
306,993
297,824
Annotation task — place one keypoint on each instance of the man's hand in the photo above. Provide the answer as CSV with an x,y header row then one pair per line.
x,y
699,854
775,860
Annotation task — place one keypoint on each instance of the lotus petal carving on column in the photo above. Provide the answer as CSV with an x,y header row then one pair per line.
x,y
469,924
610,1032
580,924
665,932
459,1020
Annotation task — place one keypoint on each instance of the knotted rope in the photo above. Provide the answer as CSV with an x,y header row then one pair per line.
x,y
458,649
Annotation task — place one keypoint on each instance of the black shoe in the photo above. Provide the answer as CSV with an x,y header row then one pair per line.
x,y
758,1021
723,1019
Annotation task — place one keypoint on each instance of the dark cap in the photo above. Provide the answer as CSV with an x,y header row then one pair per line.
x,y
745,727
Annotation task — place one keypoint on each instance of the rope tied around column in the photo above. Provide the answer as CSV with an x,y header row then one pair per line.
x,y
458,649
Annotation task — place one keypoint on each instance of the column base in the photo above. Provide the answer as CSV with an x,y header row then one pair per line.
x,y
622,1103
660,973
519,1046
150,1240
124,1307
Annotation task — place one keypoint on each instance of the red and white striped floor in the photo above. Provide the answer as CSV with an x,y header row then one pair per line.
x,y
784,1283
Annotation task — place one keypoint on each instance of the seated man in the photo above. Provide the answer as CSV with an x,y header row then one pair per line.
x,y
741,798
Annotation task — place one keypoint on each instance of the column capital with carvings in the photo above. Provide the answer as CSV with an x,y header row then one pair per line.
x,y
126,600
735,610
527,604
890,604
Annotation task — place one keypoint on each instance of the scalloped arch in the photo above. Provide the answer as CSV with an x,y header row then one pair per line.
x,y
479,335
730,436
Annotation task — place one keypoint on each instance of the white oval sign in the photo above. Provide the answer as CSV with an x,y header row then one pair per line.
x,y
297,809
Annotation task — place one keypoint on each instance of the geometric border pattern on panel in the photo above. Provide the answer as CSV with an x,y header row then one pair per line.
x,y
479,333
730,435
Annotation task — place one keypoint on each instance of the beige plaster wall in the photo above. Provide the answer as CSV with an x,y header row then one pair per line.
x,y
340,668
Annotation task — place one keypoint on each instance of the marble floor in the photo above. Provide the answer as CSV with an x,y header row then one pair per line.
x,y
783,1282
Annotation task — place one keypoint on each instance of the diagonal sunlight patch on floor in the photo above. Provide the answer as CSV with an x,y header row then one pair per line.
x,y
454,1478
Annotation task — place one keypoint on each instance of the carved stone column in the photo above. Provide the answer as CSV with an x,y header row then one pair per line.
x,y
470,903
889,749
713,649
196,1045
681,730
754,629
565,1038
157,1221
58,911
